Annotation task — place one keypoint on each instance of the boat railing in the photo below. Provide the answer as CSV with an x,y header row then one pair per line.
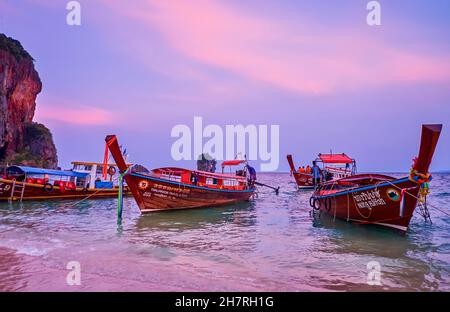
x,y
204,179
169,174
339,173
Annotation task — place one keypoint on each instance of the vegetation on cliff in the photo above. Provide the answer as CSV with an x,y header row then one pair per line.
x,y
14,47
38,149
22,141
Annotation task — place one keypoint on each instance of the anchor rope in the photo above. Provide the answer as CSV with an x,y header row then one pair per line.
x,y
406,192
96,192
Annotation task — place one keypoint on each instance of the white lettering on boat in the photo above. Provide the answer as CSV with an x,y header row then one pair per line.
x,y
368,199
164,191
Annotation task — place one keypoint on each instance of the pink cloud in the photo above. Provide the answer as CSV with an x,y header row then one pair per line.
x,y
68,112
299,57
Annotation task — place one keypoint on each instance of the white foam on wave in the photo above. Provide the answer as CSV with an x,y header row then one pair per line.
x,y
31,247
31,251
24,249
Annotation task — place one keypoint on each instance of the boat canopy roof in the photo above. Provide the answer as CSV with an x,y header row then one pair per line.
x,y
33,170
335,159
87,163
235,162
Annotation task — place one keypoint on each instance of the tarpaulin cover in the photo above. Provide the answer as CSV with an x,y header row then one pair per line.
x,y
32,170
235,162
335,159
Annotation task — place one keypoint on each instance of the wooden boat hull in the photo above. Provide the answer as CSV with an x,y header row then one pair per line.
x,y
303,180
38,192
380,204
154,194
378,199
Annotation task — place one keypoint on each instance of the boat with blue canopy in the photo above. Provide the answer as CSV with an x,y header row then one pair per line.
x,y
84,180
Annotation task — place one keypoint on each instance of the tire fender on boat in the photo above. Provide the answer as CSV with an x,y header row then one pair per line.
x,y
315,203
47,187
112,170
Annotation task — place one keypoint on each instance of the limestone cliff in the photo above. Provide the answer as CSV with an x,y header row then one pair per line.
x,y
206,163
22,141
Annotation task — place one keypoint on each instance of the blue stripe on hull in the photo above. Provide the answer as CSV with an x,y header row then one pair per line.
x,y
360,189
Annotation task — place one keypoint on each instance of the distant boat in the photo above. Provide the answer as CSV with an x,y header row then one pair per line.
x,y
172,188
380,199
335,166
85,180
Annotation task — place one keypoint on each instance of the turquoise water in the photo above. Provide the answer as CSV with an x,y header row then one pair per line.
x,y
269,244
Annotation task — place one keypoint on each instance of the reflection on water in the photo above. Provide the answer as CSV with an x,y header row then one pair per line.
x,y
180,220
271,243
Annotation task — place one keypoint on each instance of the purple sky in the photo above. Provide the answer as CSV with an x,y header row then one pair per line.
x,y
313,67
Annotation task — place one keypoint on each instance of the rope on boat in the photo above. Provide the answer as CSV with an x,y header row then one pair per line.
x,y
423,192
89,196
348,206
419,199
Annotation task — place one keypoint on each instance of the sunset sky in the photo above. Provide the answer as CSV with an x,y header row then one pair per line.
x,y
313,67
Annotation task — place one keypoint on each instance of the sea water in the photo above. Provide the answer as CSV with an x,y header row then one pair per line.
x,y
272,243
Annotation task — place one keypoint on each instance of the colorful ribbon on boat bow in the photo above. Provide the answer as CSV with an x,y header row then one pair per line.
x,y
423,180
419,178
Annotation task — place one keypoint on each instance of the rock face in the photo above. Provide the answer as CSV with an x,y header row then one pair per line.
x,y
22,141
206,163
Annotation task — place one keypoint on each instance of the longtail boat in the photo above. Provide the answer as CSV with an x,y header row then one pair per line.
x,y
171,188
380,199
334,166
84,180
